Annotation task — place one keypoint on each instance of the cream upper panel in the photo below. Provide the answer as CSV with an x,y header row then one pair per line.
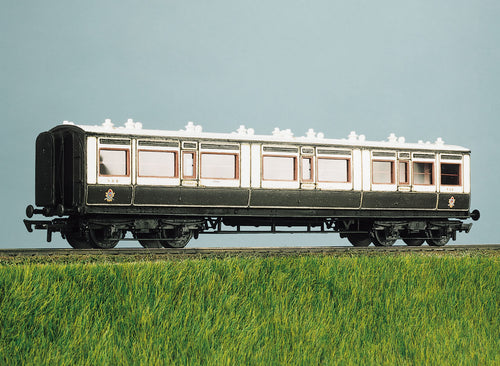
x,y
254,160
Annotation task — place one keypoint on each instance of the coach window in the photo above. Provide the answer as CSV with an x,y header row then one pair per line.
x,y
219,166
279,168
422,173
333,170
161,164
450,174
113,162
188,165
404,177
307,169
383,172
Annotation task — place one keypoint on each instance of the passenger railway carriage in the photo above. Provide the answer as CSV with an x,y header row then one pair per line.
x,y
164,187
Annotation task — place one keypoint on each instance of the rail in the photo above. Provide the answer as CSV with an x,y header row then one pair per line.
x,y
247,251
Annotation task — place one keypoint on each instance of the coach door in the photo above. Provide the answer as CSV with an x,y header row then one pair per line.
x,y
114,171
307,164
189,165
114,165
403,171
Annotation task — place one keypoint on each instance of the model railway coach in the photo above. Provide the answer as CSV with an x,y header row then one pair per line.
x,y
165,187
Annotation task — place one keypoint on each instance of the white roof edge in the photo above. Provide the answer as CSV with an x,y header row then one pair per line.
x,y
278,136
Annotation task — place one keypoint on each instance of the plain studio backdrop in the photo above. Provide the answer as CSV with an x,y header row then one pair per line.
x,y
419,69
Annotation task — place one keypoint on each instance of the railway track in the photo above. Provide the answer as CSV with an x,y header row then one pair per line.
x,y
249,252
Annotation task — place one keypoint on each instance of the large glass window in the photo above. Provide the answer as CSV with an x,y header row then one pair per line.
x,y
383,172
279,168
219,166
157,164
422,173
113,162
333,170
450,174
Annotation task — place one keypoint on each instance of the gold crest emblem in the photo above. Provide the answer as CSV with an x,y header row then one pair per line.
x,y
109,196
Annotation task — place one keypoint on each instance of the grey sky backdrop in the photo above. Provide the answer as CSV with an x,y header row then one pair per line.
x,y
422,69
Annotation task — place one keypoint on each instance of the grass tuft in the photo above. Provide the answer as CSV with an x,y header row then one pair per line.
x,y
404,310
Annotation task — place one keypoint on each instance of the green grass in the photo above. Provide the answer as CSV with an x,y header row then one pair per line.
x,y
412,309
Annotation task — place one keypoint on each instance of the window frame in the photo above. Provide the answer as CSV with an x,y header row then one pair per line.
x,y
176,164
407,182
393,172
127,161
312,169
433,175
295,167
459,175
348,167
195,166
236,168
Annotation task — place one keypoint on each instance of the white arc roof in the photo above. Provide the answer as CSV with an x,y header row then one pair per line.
x,y
192,130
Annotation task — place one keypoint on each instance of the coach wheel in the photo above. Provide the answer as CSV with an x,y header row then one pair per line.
x,y
413,242
380,239
101,239
359,240
439,242
148,240
77,241
177,242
